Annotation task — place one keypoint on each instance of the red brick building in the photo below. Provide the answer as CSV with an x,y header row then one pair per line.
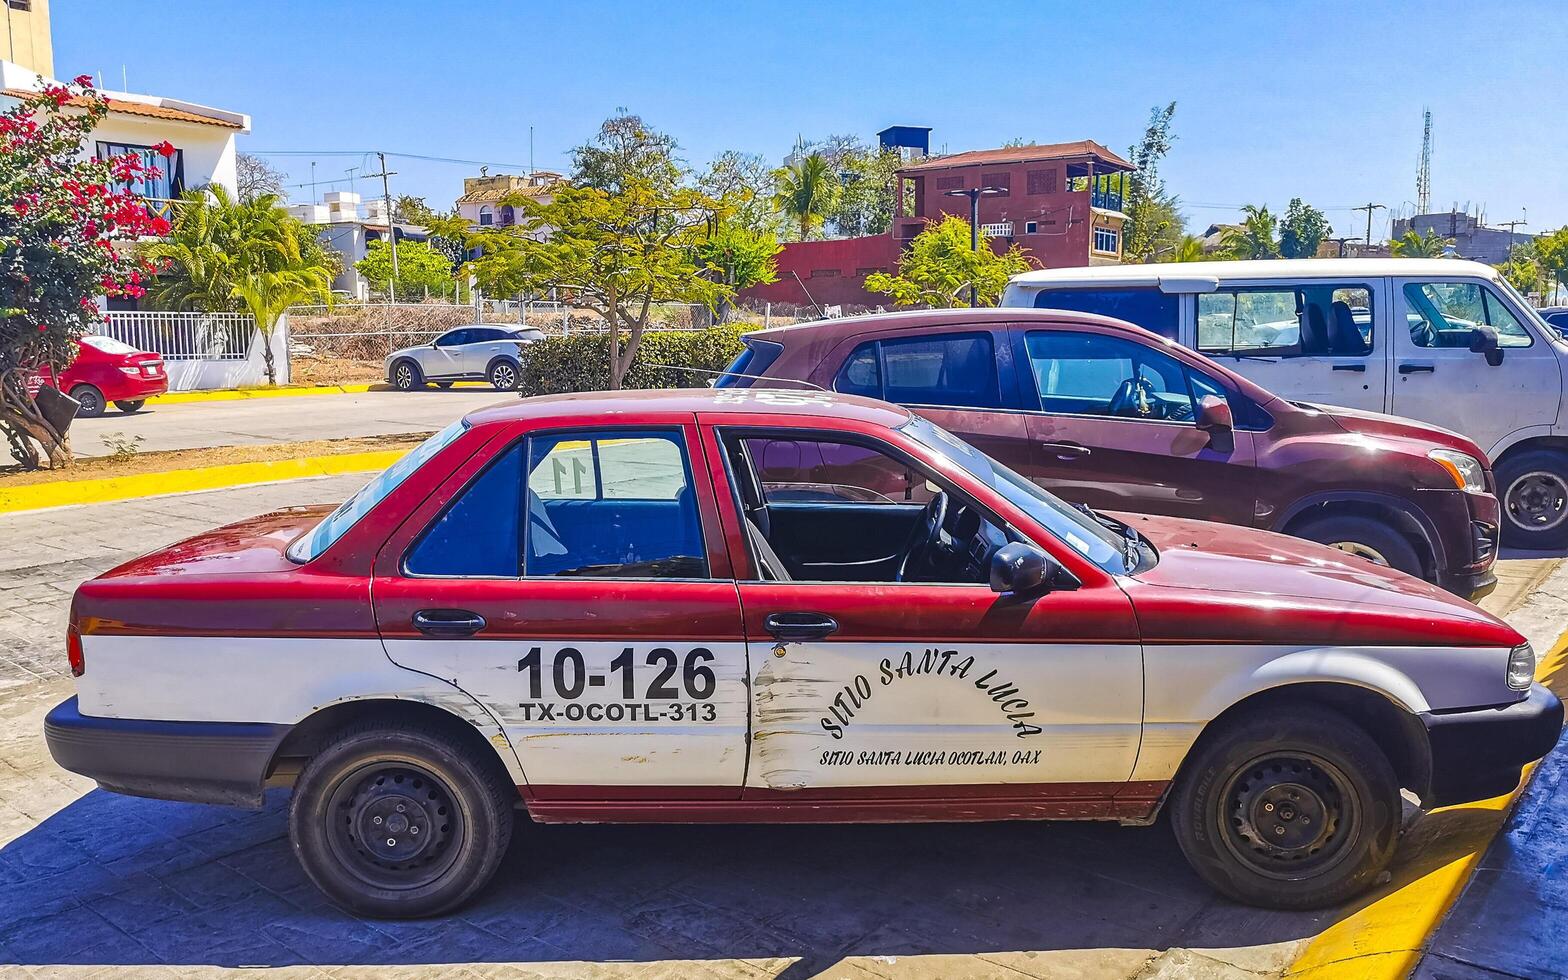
x,y
1061,201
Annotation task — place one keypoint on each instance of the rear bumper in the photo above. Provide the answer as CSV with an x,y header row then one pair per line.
x,y
136,389
1478,753
193,761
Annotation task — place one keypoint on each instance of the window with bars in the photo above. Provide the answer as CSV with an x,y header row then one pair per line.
x,y
1001,180
1042,182
949,183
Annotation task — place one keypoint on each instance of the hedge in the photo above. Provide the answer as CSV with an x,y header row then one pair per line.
x,y
581,362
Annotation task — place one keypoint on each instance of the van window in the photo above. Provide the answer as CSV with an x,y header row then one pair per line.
x,y
1146,306
1442,314
1308,320
946,370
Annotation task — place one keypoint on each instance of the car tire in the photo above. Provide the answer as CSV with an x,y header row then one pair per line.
x,y
1532,487
131,407
503,374
1366,538
406,376
90,399
1288,809
400,779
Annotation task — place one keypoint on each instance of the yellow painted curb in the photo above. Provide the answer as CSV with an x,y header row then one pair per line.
x,y
1385,939
65,493
281,391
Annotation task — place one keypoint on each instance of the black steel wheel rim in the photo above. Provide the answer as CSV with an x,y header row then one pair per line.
x,y
1538,501
90,402
1289,815
394,825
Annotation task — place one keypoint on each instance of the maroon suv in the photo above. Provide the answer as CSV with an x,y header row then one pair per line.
x,y
1113,416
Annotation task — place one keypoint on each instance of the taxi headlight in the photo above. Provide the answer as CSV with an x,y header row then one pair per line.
x,y
1465,470
1521,667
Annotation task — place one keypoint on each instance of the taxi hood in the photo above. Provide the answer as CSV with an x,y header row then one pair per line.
x,y
1377,424
1298,586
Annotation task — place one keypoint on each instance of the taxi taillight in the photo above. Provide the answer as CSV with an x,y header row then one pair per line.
x,y
73,650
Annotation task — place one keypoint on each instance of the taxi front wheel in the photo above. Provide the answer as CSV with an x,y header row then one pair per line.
x,y
398,821
1295,808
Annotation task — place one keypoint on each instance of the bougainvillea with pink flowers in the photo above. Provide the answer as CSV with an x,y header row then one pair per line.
x,y
67,224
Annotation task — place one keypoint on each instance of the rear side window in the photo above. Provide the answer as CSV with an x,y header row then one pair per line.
x,y
613,504
945,370
755,360
479,534
1147,307
1307,320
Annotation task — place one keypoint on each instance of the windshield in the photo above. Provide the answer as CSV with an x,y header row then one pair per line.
x,y
1074,526
1531,313
321,537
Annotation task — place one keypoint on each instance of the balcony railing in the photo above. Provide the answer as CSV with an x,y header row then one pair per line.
x,y
998,229
1110,200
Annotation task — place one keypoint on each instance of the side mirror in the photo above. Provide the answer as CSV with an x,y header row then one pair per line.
x,y
1022,569
1483,340
1215,418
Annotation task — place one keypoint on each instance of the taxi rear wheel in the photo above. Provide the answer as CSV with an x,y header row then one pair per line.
x,y
1296,808
398,821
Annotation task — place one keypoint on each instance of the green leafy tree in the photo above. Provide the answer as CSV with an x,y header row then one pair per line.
x,y
68,234
1302,230
1154,221
1551,251
414,211
869,181
615,254
745,182
1254,239
626,150
1524,270
807,192
419,268
939,267
738,257
1413,245
1189,249
239,256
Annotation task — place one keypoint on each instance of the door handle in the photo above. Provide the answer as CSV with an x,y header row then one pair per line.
x,y
448,622
1417,368
794,627
1359,368
1065,450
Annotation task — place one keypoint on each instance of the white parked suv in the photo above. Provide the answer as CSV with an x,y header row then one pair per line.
x,y
1441,340
481,351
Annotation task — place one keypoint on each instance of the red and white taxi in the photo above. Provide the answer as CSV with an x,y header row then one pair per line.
x,y
753,605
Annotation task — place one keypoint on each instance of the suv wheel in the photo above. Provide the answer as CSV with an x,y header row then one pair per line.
x,y
1364,538
1533,487
406,376
397,820
91,401
503,374
1290,809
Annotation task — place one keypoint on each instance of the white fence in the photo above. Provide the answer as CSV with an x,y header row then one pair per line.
x,y
204,350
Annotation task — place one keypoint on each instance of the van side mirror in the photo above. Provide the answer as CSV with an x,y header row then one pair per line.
x,y
1021,569
1483,340
1215,418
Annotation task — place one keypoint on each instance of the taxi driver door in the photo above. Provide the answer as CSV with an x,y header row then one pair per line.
x,y
574,583
933,688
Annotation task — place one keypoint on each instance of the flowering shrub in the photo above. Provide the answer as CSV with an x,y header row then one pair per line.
x,y
66,221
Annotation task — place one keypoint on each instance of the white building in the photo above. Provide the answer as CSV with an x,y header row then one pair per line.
x,y
347,226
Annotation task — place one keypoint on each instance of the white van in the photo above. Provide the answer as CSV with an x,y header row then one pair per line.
x,y
1440,340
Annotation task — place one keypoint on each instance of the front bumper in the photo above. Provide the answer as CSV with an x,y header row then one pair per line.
x,y
193,761
1477,753
1472,585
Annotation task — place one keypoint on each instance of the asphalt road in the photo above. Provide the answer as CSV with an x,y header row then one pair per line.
x,y
253,421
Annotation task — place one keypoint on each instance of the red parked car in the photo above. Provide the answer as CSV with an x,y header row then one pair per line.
x,y
1109,415
108,370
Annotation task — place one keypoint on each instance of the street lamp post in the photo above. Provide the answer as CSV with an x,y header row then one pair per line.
x,y
974,194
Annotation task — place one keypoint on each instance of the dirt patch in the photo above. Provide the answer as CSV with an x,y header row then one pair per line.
x,y
310,371
99,468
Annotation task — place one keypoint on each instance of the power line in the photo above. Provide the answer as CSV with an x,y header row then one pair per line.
x,y
405,156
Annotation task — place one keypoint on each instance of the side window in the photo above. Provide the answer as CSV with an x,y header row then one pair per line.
x,y
615,504
1145,306
453,338
1093,374
861,374
955,370
478,535
811,471
1311,320
1442,314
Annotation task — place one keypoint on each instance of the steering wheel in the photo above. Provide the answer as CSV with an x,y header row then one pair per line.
x,y
1136,394
923,537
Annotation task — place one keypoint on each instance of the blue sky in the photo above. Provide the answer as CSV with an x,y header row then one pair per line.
x,y
1320,100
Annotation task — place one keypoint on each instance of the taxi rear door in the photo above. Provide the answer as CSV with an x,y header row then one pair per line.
x,y
572,582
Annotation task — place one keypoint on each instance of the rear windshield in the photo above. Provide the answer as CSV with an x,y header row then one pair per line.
x,y
1144,306
749,364
108,345
322,536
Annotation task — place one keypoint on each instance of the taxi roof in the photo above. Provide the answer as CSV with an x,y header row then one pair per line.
x,y
629,406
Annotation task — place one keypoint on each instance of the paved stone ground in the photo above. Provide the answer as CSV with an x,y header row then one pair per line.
x,y
92,883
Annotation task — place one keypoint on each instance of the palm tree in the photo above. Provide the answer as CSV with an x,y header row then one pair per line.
x,y
1189,249
1254,239
808,191
1411,245
267,295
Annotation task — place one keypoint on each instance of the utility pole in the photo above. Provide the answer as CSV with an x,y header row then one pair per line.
x,y
386,198
1341,243
1511,225
1369,207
